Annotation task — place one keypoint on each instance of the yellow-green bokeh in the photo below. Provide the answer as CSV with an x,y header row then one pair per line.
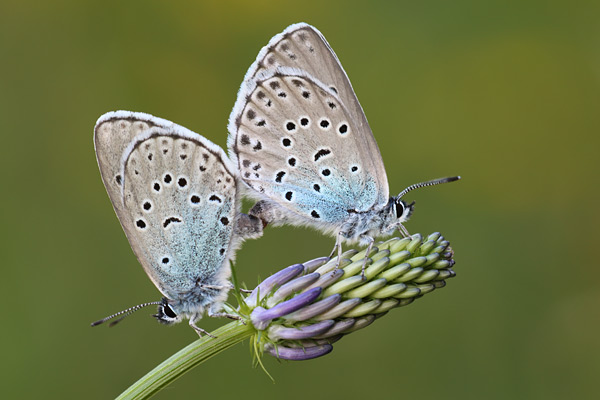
x,y
504,93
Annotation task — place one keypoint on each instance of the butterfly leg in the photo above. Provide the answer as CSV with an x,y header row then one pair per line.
x,y
404,232
214,312
219,287
199,330
225,315
216,287
369,247
338,246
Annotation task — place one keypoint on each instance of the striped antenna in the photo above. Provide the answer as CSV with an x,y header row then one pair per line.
x,y
125,313
428,183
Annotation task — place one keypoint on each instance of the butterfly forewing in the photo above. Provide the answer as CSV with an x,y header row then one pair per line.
x,y
304,47
296,143
113,133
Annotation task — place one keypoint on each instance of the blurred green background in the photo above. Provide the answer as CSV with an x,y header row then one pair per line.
x,y
504,93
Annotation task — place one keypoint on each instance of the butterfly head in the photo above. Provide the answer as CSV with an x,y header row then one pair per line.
x,y
167,313
401,211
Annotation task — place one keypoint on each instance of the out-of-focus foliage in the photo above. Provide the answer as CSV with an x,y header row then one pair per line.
x,y
505,94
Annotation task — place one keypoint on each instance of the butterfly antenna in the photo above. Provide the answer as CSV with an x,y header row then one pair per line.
x,y
428,183
124,313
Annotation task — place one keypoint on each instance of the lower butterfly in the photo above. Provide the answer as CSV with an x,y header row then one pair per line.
x,y
176,195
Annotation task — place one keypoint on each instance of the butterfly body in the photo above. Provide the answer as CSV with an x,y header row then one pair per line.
x,y
352,227
176,196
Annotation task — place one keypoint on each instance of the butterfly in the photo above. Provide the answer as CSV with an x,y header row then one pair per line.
x,y
176,195
302,144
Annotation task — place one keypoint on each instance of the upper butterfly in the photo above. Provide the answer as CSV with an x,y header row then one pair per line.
x,y
176,196
301,141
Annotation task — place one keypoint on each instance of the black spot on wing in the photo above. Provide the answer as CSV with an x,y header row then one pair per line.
x,y
279,176
321,153
170,220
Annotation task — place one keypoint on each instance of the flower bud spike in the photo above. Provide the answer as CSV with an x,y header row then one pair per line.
x,y
305,308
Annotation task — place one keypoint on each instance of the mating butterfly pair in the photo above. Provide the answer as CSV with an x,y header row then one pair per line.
x,y
299,143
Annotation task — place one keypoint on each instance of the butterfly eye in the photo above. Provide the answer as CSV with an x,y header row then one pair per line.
x,y
169,311
399,209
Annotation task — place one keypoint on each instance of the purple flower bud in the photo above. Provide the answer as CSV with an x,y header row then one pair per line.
x,y
291,287
362,322
312,265
275,280
278,332
299,354
261,317
339,327
340,309
314,309
327,279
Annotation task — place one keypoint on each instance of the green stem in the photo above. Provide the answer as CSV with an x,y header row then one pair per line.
x,y
187,358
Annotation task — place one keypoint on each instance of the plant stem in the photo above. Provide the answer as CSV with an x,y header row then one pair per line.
x,y
187,358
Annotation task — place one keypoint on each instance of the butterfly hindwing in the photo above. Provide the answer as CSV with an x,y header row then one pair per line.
x,y
303,47
295,143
